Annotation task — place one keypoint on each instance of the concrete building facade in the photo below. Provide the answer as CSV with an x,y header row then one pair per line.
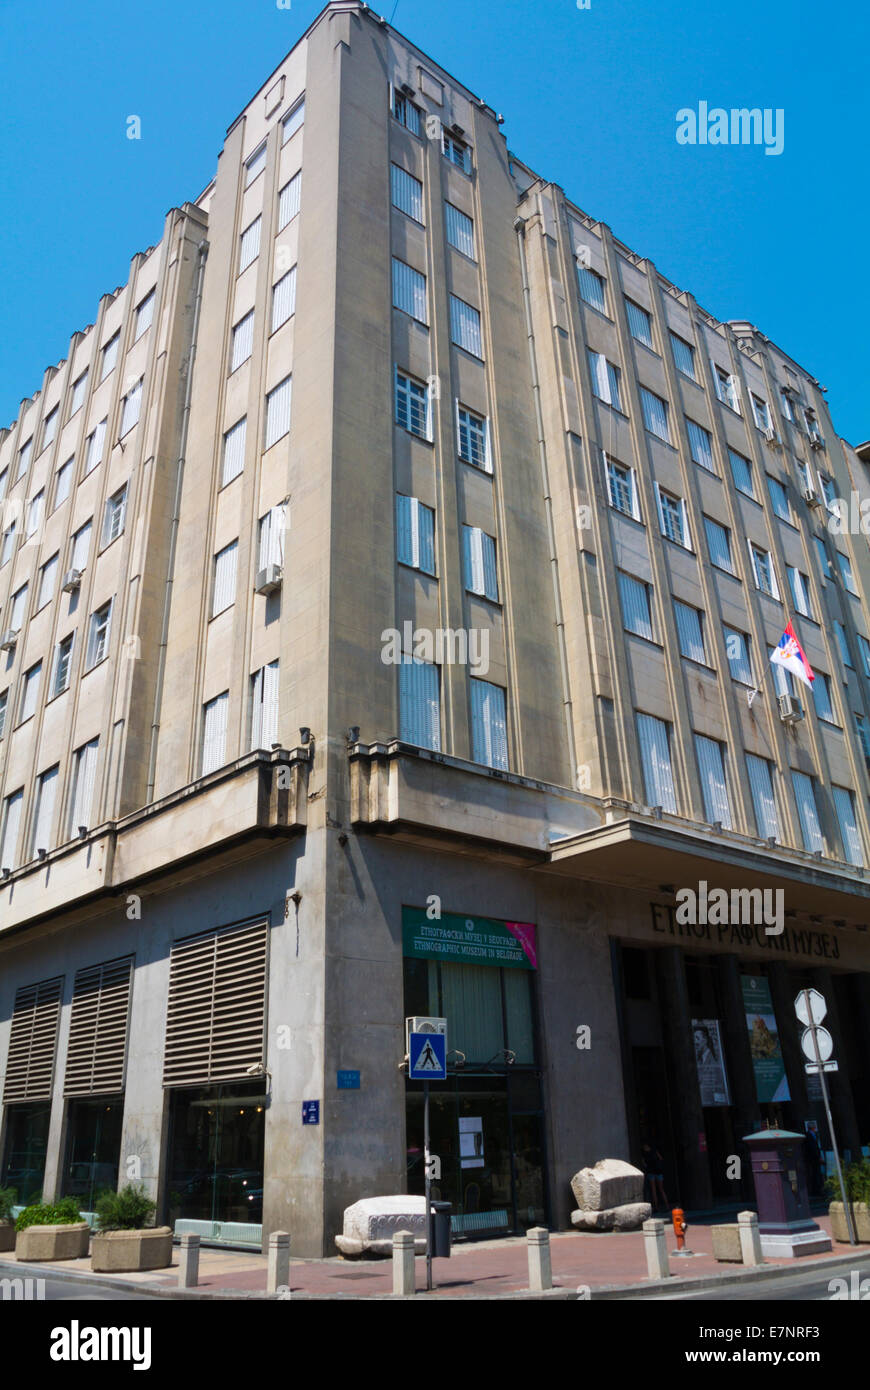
x,y
387,583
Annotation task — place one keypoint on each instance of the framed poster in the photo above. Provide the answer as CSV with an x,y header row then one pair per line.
x,y
710,1062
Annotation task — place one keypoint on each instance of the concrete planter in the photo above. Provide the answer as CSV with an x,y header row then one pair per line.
x,y
7,1236
860,1219
40,1243
124,1252
726,1244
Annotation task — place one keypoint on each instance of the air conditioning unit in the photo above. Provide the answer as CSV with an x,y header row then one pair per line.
x,y
268,579
8,639
772,437
71,581
423,1025
790,709
811,497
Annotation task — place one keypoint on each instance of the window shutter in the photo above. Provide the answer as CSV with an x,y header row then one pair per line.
x,y
249,249
234,451
243,341
216,1016
460,230
225,564
845,804
713,784
465,326
489,724
278,403
32,1042
804,794
656,757
635,606
763,799
404,531
409,291
407,192
284,299
83,790
289,201
97,1050
11,825
214,733
270,704
44,810
420,704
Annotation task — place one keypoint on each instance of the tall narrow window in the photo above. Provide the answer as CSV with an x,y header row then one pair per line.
x,y
278,403
224,593
762,569
62,666
655,753
846,573
8,544
23,459
622,488
255,164
35,508
49,428
761,411
79,547
655,414
43,816
243,341
805,798
673,517
822,698
639,323
843,643
144,316
684,356
407,192
110,355
406,113
293,121
30,692
741,472
727,388
412,405
719,543
84,777
844,802
47,581
711,765
419,704
473,439
690,630
409,291
289,201
457,152
636,612
18,607
79,391
4,704
465,328
284,299
489,724
460,230
214,733
264,706
763,798
98,636
737,651
63,482
115,515
11,825
592,288
234,451
701,446
130,409
249,244
800,591
270,539
479,559
778,498
94,445
605,379
415,533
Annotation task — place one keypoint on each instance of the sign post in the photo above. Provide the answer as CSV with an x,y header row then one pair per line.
x,y
817,1043
427,1061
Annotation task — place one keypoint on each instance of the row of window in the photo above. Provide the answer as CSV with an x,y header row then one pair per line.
x,y
593,290
270,551
415,532
409,115
99,629
420,713
413,411
78,813
410,296
654,736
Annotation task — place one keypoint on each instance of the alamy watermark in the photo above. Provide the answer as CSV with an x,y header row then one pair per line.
x,y
741,907
443,646
713,125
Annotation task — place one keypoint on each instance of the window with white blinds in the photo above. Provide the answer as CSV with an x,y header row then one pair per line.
x,y
478,554
234,451
49,428
43,816
131,408
741,472
412,406
12,808
63,482
844,802
690,630
270,537
719,543
110,356
489,724
16,611
249,244
30,692
255,164
278,402
33,1042
284,298
655,753
293,121
460,230
700,446
24,459
216,1016
465,329
289,201
409,291
80,546
639,323
84,776
415,534
35,509
800,590
214,732
144,316
805,799
636,614
407,192
97,1048
737,651
655,414
605,379
264,706
763,798
225,563
778,498
420,704
243,341
8,544
711,766
684,356
94,446
79,391
591,288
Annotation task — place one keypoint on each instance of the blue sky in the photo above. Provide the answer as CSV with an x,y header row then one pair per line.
x,y
590,100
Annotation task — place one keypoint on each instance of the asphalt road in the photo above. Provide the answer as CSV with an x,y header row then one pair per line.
x,y
65,1291
803,1284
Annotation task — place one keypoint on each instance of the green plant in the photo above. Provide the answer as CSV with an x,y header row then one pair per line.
x,y
128,1210
7,1202
857,1180
63,1213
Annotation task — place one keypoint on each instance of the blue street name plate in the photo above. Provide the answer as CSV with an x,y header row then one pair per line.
x,y
311,1112
347,1080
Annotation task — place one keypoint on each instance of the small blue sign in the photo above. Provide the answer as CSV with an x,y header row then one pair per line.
x,y
347,1080
427,1057
311,1112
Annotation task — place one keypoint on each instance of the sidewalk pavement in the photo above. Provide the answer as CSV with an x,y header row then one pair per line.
x,y
611,1264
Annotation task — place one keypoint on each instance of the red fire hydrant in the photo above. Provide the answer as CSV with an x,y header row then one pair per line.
x,y
680,1228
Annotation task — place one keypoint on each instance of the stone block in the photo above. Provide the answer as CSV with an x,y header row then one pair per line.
x,y
628,1217
126,1251
7,1236
370,1224
726,1244
860,1221
40,1243
611,1183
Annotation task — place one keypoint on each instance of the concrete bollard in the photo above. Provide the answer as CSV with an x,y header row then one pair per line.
x,y
656,1246
404,1278
750,1238
540,1263
278,1269
188,1261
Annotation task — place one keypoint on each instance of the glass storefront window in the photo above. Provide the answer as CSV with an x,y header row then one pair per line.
x,y
93,1148
215,1170
24,1154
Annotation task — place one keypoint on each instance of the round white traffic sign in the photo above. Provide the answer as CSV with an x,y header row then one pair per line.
x,y
825,1041
816,1010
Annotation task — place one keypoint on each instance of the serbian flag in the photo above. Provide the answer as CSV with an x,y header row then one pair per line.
x,y
790,654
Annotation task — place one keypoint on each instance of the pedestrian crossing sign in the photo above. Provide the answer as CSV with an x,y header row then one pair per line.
x,y
427,1057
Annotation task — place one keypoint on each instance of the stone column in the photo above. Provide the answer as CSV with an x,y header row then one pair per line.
x,y
676,1024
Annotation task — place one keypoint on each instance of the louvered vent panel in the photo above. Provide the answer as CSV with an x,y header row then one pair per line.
x,y
32,1043
217,1006
98,1029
